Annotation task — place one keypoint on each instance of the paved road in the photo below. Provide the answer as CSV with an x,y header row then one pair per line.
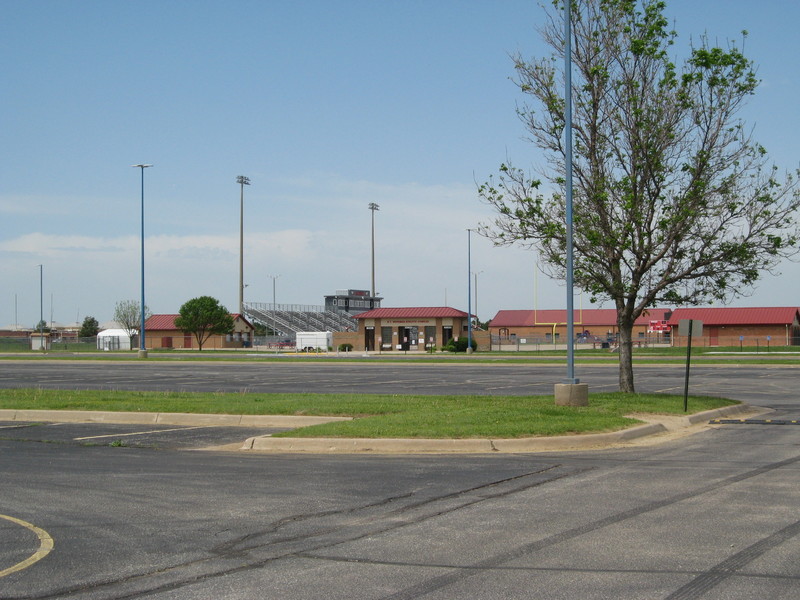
x,y
711,516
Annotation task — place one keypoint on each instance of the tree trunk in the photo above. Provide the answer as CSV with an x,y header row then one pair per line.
x,y
626,355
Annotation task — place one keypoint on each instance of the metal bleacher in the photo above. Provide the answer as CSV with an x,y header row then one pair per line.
x,y
288,319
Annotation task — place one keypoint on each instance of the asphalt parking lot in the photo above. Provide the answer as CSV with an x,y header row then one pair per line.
x,y
712,516
748,383
158,437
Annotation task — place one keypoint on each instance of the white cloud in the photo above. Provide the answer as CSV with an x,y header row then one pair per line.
x,y
421,257
49,245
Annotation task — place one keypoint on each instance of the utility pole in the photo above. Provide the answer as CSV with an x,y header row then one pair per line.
x,y
571,392
373,207
274,302
469,291
242,181
41,309
142,348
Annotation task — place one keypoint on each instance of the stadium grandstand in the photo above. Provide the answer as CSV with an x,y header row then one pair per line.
x,y
285,320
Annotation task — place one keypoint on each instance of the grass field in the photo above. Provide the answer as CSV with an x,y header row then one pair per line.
x,y
385,416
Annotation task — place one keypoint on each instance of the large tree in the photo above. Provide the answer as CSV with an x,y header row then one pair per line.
x,y
674,202
204,317
89,328
129,316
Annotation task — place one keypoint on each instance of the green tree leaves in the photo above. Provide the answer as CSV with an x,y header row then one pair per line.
x,y
89,328
204,317
673,200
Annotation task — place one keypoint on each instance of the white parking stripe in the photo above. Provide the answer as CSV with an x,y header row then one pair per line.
x,y
117,435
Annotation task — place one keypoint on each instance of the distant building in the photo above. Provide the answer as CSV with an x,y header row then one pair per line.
x,y
730,326
724,326
410,329
352,302
15,331
161,332
61,332
113,339
591,325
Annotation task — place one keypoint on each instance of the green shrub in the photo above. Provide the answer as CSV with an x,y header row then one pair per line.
x,y
459,345
345,347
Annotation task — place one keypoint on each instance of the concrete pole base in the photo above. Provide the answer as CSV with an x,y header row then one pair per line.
x,y
142,354
572,394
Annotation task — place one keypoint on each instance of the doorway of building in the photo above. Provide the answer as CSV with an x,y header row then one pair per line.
x,y
447,335
430,336
407,337
404,338
369,339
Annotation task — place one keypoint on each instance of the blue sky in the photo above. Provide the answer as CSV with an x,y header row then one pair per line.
x,y
326,107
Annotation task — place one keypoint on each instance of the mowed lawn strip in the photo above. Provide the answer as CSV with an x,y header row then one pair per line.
x,y
384,415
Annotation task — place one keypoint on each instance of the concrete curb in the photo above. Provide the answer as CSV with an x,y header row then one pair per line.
x,y
725,411
266,444
467,446
445,446
151,418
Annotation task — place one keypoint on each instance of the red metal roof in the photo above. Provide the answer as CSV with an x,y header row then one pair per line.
x,y
411,313
602,317
781,315
167,322
161,322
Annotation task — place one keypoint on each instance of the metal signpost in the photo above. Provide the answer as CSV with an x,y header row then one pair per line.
x,y
688,327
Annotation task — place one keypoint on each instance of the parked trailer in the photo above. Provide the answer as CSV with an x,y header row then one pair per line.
x,y
313,341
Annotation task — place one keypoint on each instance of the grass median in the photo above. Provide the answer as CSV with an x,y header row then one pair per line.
x,y
385,416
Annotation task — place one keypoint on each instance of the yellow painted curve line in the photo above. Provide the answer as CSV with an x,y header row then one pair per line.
x,y
45,546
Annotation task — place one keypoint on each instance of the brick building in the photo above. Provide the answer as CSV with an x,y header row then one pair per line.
x,y
412,329
729,326
161,332
725,326
591,325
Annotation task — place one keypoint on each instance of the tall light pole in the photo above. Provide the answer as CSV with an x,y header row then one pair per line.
x,y
469,291
274,303
142,350
571,379
41,309
242,181
373,207
571,392
475,274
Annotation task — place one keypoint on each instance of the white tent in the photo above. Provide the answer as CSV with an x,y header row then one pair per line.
x,y
113,339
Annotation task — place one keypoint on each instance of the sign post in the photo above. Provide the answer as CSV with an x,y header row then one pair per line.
x,y
688,327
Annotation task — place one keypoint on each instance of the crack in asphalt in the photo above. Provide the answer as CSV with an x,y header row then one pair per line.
x,y
447,579
350,524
